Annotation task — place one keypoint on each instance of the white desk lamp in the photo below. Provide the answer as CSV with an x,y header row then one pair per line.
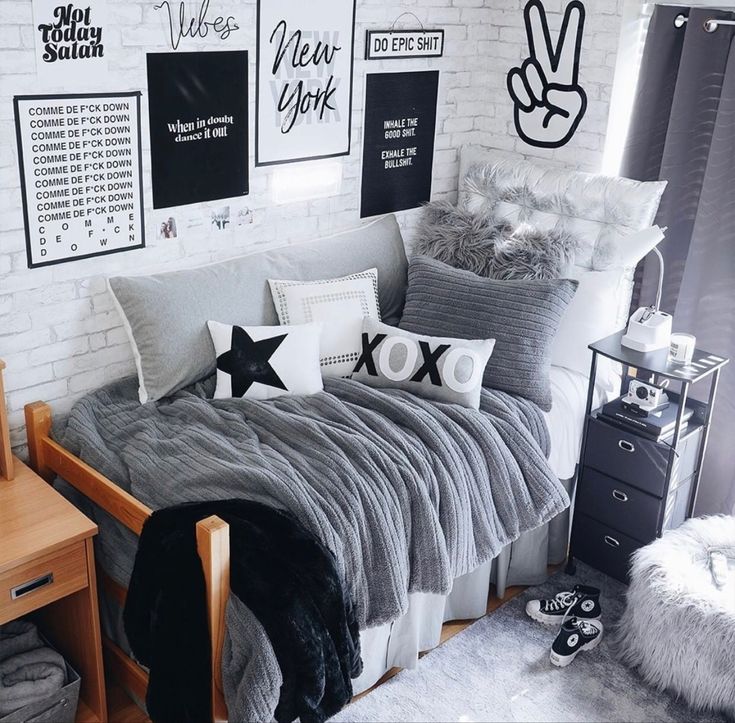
x,y
649,328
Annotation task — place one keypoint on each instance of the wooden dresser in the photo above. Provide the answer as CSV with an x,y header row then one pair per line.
x,y
47,570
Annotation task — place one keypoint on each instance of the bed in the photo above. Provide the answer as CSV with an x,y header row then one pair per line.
x,y
398,642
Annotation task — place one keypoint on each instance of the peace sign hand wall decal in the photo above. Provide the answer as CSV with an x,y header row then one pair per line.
x,y
548,103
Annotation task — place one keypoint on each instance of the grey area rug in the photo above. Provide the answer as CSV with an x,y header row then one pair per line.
x,y
498,669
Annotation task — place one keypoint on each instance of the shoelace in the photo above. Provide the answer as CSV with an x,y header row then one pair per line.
x,y
585,628
561,600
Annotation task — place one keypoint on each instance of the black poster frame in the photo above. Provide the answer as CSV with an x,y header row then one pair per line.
x,y
58,96
258,162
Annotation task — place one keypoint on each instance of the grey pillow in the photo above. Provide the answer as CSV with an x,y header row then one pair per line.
x,y
166,314
436,367
522,317
477,241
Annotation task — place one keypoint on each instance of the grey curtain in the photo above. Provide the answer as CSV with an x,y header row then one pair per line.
x,y
683,130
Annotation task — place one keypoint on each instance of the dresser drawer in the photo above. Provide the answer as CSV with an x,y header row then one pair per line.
x,y
627,457
42,581
618,504
602,546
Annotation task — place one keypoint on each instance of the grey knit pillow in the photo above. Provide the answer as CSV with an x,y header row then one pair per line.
x,y
477,241
522,316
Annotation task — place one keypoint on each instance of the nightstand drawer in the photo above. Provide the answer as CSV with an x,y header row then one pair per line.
x,y
627,457
618,504
41,581
603,547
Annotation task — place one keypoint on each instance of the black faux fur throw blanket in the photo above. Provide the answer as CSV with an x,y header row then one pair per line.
x,y
280,571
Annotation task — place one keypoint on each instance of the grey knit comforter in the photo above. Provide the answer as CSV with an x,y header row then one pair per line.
x,y
408,493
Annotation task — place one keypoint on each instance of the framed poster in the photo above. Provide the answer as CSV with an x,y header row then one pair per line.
x,y
398,140
71,41
198,116
304,80
80,175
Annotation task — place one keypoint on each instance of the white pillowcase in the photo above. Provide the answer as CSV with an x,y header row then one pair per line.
x,y
591,315
264,362
340,304
628,250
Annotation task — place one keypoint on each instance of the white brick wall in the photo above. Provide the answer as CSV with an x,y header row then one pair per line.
x,y
58,331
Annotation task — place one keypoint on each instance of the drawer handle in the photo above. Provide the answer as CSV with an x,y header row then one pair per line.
x,y
611,541
620,496
31,585
626,446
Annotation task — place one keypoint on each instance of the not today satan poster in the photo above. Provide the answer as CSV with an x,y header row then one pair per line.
x,y
71,42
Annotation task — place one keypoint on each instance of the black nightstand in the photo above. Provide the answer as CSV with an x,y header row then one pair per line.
x,y
631,488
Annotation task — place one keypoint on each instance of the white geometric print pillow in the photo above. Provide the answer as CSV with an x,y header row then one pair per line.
x,y
340,305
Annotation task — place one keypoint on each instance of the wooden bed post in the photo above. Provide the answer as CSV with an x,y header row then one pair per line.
x,y
38,428
6,454
49,458
213,545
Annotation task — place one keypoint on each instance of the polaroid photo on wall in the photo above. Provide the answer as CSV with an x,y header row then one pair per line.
x,y
167,228
220,218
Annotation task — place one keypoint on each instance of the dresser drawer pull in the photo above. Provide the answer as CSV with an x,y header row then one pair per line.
x,y
620,496
31,585
611,541
626,446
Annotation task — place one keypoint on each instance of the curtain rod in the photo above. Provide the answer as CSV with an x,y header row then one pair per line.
x,y
710,24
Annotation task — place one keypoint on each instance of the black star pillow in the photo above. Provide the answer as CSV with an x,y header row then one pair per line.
x,y
263,362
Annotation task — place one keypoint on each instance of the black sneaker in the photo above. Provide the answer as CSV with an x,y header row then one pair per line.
x,y
583,601
575,635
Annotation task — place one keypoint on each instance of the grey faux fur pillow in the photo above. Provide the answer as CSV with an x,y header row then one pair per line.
x,y
478,242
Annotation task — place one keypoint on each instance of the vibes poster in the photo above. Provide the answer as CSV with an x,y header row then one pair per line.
x,y
198,113
304,79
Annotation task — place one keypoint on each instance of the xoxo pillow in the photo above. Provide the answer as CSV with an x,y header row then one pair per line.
x,y
441,368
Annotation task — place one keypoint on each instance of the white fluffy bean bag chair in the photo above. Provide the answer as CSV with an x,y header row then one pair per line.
x,y
678,627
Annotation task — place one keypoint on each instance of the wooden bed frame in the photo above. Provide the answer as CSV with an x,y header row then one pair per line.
x,y
48,459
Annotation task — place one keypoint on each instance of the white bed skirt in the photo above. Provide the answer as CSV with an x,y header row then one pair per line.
x,y
398,644
524,562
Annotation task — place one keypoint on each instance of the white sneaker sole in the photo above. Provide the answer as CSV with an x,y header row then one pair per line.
x,y
545,619
561,661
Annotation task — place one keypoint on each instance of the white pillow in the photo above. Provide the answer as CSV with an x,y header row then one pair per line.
x,y
263,362
591,315
340,304
629,250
